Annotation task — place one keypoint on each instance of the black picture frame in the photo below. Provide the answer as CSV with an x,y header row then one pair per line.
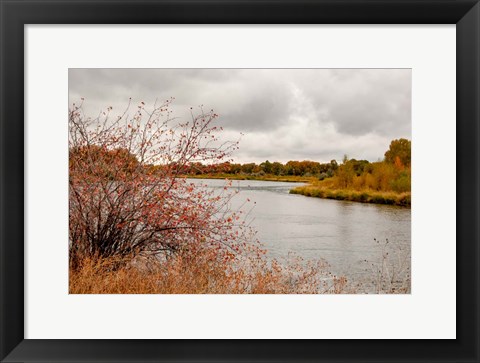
x,y
15,14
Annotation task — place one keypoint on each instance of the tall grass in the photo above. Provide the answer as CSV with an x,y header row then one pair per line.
x,y
391,272
204,275
364,196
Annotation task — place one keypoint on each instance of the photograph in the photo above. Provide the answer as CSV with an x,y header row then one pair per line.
x,y
239,181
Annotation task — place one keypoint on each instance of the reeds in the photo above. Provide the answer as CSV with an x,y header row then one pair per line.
x,y
364,196
203,275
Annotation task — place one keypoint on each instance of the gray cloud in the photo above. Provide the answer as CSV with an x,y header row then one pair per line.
x,y
285,114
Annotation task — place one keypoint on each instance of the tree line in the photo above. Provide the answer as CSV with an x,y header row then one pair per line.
x,y
392,173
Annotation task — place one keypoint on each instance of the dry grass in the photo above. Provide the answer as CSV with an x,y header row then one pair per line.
x,y
206,270
204,275
364,196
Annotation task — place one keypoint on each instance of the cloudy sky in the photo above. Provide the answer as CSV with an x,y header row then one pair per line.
x,y
284,114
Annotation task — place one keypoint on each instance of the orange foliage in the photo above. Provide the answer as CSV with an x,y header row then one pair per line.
x,y
126,197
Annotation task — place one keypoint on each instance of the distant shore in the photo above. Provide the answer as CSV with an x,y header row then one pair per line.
x,y
267,177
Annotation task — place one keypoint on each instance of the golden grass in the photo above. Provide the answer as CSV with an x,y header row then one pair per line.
x,y
179,275
205,273
324,190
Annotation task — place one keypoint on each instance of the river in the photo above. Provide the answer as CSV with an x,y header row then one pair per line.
x,y
342,233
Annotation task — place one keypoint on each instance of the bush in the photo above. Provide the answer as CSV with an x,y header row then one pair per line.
x,y
125,194
402,183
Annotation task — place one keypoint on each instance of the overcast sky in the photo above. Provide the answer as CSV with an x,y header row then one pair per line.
x,y
284,114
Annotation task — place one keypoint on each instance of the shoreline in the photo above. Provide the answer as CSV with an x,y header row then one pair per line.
x,y
363,196
315,191
274,178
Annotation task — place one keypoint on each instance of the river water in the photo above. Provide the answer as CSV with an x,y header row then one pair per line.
x,y
340,232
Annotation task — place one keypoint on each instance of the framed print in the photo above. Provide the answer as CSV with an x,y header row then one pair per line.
x,y
237,216
239,181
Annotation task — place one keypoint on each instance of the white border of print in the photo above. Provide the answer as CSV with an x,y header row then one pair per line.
x,y
429,312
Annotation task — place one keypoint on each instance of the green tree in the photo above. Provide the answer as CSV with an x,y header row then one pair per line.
x,y
277,168
266,167
248,168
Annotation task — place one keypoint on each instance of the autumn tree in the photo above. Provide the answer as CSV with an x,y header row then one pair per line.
x,y
126,196
401,148
345,173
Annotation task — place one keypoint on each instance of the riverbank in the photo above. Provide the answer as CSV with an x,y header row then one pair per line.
x,y
266,177
206,272
321,189
362,196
